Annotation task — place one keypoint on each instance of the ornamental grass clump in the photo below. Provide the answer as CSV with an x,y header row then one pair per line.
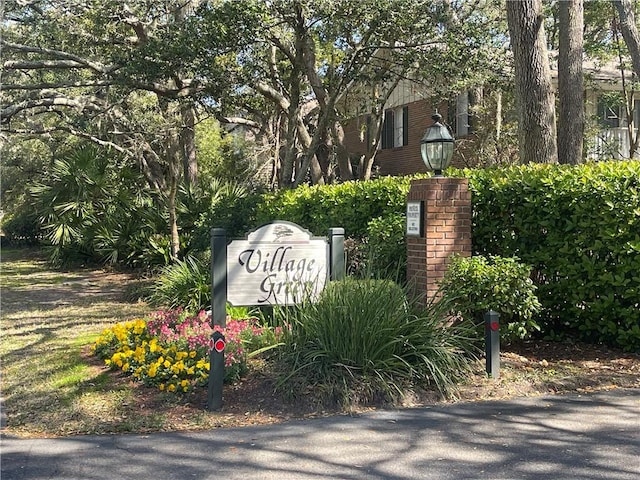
x,y
170,349
363,342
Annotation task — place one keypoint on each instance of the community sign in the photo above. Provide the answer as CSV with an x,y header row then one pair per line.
x,y
278,264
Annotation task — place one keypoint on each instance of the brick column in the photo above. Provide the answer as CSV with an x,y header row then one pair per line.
x,y
447,230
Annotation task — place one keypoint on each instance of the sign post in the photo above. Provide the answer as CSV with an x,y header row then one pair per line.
x,y
492,343
336,251
218,315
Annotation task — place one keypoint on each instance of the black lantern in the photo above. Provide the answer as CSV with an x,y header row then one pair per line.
x,y
436,147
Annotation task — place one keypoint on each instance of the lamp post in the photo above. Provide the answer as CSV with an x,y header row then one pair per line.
x,y
436,146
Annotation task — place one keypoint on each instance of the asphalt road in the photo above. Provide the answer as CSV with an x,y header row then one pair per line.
x,y
591,436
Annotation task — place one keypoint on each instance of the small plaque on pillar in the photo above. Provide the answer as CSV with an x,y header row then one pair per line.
x,y
415,218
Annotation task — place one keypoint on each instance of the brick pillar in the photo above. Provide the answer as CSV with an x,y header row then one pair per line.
x,y
447,230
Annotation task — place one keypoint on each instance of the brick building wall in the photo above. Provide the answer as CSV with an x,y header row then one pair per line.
x,y
405,160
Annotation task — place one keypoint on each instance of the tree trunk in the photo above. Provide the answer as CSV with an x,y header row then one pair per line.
x,y
534,96
188,144
173,215
172,151
629,31
570,83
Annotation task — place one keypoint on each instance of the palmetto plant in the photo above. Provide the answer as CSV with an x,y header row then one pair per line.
x,y
183,284
92,206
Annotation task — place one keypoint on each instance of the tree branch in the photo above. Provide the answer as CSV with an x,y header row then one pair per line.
x,y
64,59
43,86
72,131
80,104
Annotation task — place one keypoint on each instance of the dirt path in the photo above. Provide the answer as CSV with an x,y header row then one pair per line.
x,y
28,284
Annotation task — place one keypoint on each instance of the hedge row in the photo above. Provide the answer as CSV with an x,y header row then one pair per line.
x,y
579,227
350,205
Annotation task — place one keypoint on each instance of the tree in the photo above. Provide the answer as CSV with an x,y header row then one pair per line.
x,y
119,75
322,63
629,29
534,95
570,82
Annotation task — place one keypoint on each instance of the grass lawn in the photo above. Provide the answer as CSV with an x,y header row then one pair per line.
x,y
48,320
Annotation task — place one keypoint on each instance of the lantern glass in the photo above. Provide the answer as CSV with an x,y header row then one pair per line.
x,y
437,146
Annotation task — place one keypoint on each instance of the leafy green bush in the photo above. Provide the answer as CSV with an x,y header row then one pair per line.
x,y
92,207
579,228
494,283
185,283
221,205
363,342
350,205
21,228
387,252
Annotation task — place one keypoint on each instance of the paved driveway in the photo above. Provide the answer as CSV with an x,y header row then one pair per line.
x,y
595,436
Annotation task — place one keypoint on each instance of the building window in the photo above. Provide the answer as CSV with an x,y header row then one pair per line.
x,y
395,129
609,111
612,112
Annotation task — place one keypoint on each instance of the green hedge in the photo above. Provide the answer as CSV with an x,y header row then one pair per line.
x,y
350,205
579,227
479,284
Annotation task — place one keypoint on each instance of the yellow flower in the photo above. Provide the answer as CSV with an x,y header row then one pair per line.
x,y
192,354
117,359
139,326
171,388
178,367
181,355
161,386
125,367
167,364
139,354
184,383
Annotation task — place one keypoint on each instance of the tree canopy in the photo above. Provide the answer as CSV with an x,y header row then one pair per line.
x,y
144,80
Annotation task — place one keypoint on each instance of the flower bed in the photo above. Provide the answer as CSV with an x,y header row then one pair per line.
x,y
170,349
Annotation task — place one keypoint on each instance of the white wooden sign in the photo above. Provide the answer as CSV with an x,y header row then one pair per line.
x,y
279,263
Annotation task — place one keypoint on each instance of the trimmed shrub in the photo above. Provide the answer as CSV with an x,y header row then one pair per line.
x,y
494,283
387,252
350,205
579,228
